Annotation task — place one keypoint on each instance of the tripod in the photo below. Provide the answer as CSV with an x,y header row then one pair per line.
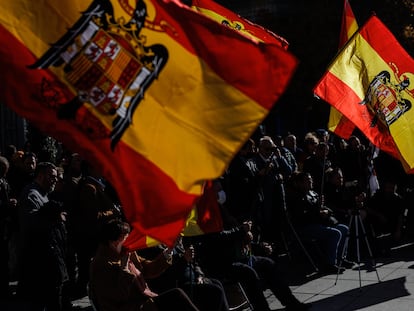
x,y
356,222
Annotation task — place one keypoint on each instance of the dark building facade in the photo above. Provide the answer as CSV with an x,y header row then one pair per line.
x,y
312,30
12,128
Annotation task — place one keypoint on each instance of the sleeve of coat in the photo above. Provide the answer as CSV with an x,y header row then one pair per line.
x,y
150,268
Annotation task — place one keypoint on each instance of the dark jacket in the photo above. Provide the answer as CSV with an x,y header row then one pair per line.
x,y
42,237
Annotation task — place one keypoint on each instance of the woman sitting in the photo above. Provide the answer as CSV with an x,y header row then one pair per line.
x,y
117,280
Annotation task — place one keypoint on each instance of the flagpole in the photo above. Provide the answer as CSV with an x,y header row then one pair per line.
x,y
323,174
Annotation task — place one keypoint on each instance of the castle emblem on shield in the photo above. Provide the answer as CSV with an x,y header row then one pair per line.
x,y
386,100
107,63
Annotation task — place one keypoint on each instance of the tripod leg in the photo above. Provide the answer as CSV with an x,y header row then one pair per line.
x,y
374,265
357,247
357,221
285,244
344,249
301,244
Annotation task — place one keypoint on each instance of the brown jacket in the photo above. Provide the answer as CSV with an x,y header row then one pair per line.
x,y
112,287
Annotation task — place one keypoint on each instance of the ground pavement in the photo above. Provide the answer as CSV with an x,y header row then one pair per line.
x,y
357,288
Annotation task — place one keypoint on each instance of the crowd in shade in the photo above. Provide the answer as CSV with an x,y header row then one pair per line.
x,y
62,226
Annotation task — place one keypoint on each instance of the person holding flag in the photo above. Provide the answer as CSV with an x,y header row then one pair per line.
x,y
118,278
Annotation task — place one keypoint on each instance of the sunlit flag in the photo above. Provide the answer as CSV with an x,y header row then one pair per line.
x,y
371,82
337,123
156,95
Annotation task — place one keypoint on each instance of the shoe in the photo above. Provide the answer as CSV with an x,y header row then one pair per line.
x,y
332,269
300,306
347,264
78,293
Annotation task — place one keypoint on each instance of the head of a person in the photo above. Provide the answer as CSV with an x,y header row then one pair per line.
x,y
249,148
266,146
278,140
335,177
46,176
290,142
322,150
354,143
29,162
4,166
75,164
341,144
17,159
323,135
310,143
302,182
9,151
114,230
60,183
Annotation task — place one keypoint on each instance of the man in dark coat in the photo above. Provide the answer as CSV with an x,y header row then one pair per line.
x,y
6,206
272,170
42,268
229,255
242,184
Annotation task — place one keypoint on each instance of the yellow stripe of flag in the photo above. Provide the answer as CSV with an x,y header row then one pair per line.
x,y
348,27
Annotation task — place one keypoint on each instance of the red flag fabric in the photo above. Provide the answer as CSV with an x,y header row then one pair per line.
x,y
232,20
349,24
369,82
206,216
156,95
337,123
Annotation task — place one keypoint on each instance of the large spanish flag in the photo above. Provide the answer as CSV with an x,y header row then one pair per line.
x,y
337,123
371,83
156,95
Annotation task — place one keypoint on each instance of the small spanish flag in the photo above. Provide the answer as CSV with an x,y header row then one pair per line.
x,y
371,83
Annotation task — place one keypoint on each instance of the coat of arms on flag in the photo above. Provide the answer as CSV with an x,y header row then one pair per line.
x,y
388,101
144,90
107,62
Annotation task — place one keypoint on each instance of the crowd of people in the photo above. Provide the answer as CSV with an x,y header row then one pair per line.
x,y
63,229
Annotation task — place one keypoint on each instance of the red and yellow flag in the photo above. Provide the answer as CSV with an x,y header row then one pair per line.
x,y
371,83
232,20
156,95
337,123
206,216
